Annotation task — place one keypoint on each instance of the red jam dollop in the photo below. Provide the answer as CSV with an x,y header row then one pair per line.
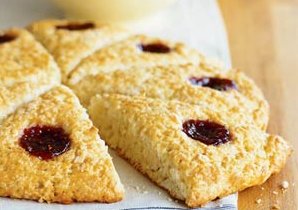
x,y
214,83
45,142
207,132
7,38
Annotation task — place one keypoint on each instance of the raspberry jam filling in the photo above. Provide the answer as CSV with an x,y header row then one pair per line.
x,y
45,142
207,132
76,26
214,83
7,38
155,48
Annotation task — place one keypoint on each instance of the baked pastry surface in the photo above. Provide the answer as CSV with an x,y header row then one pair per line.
x,y
27,70
128,53
245,104
84,173
71,41
149,134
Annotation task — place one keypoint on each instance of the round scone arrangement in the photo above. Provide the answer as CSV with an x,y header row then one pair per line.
x,y
176,116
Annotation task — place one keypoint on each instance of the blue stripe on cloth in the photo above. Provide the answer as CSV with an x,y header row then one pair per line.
x,y
224,207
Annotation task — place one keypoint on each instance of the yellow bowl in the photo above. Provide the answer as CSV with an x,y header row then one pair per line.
x,y
110,10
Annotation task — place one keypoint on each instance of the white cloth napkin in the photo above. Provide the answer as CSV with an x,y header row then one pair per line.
x,y
197,23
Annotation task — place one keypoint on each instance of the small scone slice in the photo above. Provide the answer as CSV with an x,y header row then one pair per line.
x,y
191,151
137,51
229,91
27,69
50,151
71,41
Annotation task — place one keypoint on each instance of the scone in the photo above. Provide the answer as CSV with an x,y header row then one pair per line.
x,y
231,91
136,51
27,70
189,150
50,151
71,41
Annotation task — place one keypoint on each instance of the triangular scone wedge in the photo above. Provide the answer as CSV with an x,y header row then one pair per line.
x,y
27,70
137,51
71,41
154,136
243,98
50,151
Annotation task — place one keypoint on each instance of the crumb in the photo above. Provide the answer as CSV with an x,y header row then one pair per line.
x,y
170,199
159,193
262,188
275,193
145,192
137,188
275,206
176,201
220,205
284,185
258,201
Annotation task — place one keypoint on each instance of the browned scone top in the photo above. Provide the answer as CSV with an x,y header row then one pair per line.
x,y
83,172
26,69
137,51
243,100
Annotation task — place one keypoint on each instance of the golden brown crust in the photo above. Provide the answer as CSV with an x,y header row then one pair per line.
x,y
127,54
85,173
148,132
69,47
247,104
27,70
24,59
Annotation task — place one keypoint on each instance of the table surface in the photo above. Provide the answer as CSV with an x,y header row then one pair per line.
x,y
263,43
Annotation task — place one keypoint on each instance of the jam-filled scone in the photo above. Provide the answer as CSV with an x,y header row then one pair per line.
x,y
137,51
187,149
27,70
50,151
71,41
231,91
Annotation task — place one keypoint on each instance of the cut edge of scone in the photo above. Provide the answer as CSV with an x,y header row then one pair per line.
x,y
70,41
79,168
160,149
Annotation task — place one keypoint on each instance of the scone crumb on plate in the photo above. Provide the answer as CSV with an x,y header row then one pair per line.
x,y
284,185
262,188
258,201
170,199
275,192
